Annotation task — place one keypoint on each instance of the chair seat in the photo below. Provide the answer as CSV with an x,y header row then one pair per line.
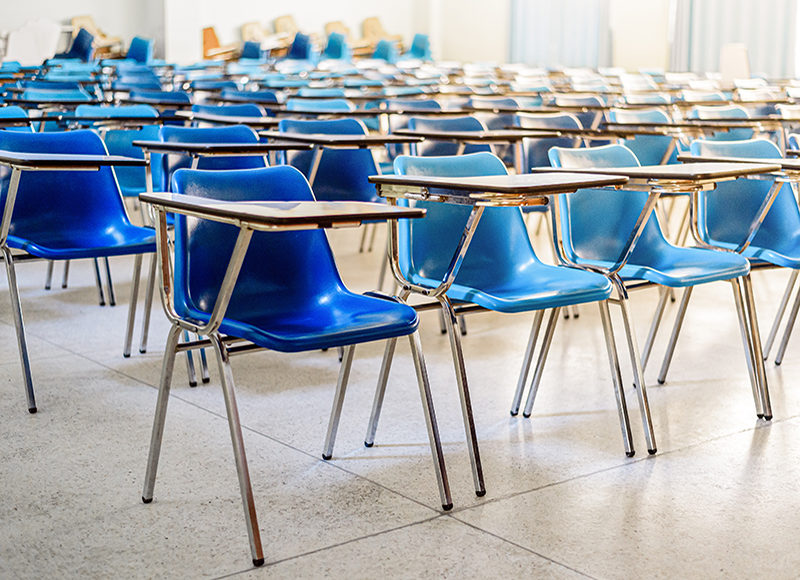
x,y
680,267
536,286
788,256
345,318
68,245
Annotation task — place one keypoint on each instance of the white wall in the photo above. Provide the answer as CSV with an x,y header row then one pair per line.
x,y
473,30
640,33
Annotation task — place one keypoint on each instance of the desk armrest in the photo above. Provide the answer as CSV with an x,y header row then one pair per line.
x,y
64,161
243,149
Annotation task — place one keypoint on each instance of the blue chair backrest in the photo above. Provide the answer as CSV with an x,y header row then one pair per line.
x,y
725,214
333,105
301,48
500,246
34,94
281,269
13,111
141,50
132,180
385,50
238,110
708,113
261,95
212,85
587,118
177,97
441,148
649,149
231,134
536,149
342,173
252,51
420,47
137,79
81,46
337,47
53,201
596,223
328,92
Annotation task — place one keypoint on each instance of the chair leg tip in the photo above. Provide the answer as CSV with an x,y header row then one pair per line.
x,y
192,383
777,364
326,457
32,410
206,380
143,350
146,500
661,381
124,355
258,562
526,415
652,451
366,444
447,506
630,453
480,492
514,413
767,417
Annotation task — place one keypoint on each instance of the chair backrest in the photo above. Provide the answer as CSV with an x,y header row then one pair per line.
x,y
301,48
81,47
280,270
337,47
431,147
285,24
596,223
252,50
647,99
588,118
342,173
723,112
77,95
177,97
238,110
210,40
499,248
232,134
260,95
420,47
649,149
317,92
725,214
333,105
536,149
141,49
53,201
132,180
13,111
385,50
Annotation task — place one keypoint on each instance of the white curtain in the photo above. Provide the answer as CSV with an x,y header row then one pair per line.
x,y
571,33
767,27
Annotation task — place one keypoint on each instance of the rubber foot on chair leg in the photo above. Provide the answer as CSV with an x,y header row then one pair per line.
x,y
258,562
480,493
444,331
32,410
326,457
514,413
652,451
447,507
126,355
661,381
630,453
760,415
206,380
777,364
192,383
368,444
143,350
526,415
767,417
145,500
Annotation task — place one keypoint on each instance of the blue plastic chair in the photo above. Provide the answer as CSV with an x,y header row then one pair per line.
x,y
431,147
707,113
237,110
301,48
725,217
500,272
141,50
252,51
302,305
260,96
589,119
13,111
332,105
322,92
420,48
137,80
649,149
337,48
81,47
597,224
212,85
231,134
536,149
385,50
176,97
67,215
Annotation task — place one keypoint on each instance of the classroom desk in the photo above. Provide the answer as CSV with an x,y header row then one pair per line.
x,y
19,162
322,141
254,122
250,217
513,137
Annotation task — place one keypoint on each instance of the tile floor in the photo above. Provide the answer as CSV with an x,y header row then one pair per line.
x,y
718,500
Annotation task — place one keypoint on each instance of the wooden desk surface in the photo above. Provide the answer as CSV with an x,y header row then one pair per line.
x,y
686,172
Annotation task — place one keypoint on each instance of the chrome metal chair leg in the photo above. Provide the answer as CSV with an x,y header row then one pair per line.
x,y
65,277
787,331
48,279
463,389
576,312
372,237
338,401
526,361
148,304
442,323
781,311
112,301
430,421
99,282
248,502
380,391
363,241
204,376
165,383
462,325
547,340
747,342
137,272
673,338
382,273
638,376
657,316
16,310
758,355
190,363
616,378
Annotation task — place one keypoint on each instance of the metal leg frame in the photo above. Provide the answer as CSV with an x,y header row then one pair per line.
x,y
664,295
48,279
99,282
137,271
547,340
673,338
526,362
787,332
758,355
112,301
65,278
16,308
747,342
338,400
